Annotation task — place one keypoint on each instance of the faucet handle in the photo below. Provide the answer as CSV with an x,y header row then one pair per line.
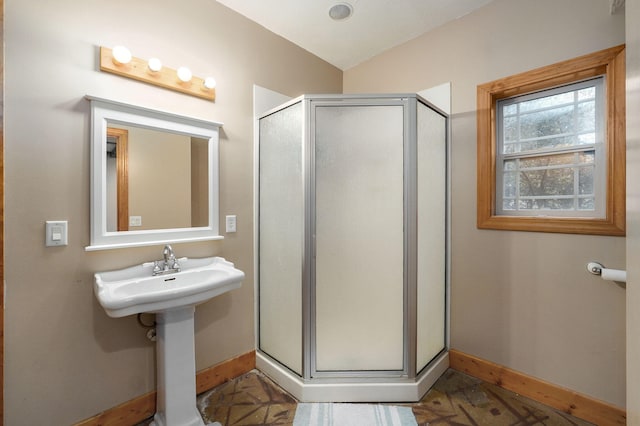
x,y
176,265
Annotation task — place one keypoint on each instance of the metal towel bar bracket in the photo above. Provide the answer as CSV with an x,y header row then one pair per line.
x,y
595,268
607,274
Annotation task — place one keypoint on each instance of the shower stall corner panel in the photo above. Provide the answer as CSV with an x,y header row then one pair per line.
x,y
432,225
281,236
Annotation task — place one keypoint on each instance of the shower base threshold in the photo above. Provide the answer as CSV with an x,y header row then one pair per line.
x,y
360,391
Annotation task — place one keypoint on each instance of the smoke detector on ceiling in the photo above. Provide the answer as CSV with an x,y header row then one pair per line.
x,y
341,11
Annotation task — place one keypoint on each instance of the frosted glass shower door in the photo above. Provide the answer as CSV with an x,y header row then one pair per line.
x,y
432,236
281,224
359,284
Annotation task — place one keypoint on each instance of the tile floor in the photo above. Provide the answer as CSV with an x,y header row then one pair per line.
x,y
455,399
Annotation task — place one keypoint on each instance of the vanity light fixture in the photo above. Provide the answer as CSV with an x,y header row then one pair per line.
x,y
155,65
210,83
121,55
184,74
120,61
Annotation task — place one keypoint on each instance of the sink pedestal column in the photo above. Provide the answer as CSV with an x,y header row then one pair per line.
x,y
176,365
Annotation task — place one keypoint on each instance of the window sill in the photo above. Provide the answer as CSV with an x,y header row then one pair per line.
x,y
564,225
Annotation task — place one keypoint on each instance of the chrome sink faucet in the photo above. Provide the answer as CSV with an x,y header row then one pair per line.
x,y
170,264
167,252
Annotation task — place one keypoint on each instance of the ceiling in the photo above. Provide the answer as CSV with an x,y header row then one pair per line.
x,y
374,26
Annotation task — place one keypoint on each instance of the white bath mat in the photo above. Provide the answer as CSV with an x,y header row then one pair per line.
x,y
333,414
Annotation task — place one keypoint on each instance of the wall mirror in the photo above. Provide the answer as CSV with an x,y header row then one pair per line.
x,y
154,177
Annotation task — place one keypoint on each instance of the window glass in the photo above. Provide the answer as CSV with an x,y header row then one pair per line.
x,y
549,149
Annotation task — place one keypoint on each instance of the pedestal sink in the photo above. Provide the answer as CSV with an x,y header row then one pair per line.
x,y
172,297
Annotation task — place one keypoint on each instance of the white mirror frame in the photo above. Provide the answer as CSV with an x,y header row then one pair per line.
x,y
105,112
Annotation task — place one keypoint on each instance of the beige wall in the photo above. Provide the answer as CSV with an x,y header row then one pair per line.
x,y
65,360
519,299
633,211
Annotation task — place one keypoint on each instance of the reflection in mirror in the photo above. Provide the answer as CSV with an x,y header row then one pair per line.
x,y
154,177
117,180
155,162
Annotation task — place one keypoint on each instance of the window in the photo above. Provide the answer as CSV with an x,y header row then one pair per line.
x,y
551,148
550,152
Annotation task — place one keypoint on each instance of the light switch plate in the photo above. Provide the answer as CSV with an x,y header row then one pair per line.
x,y
56,233
231,223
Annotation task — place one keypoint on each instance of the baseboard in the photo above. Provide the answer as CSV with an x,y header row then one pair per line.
x,y
214,376
566,400
136,410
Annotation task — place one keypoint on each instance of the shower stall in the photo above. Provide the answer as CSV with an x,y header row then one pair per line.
x,y
352,247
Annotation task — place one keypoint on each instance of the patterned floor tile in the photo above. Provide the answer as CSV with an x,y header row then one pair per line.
x,y
458,399
251,399
455,400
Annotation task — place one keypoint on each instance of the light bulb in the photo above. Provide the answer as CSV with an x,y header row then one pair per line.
x,y
184,74
155,65
209,83
121,55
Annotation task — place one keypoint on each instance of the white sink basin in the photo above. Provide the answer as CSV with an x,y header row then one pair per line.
x,y
134,290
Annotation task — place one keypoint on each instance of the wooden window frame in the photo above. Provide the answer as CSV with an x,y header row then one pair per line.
x,y
610,63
